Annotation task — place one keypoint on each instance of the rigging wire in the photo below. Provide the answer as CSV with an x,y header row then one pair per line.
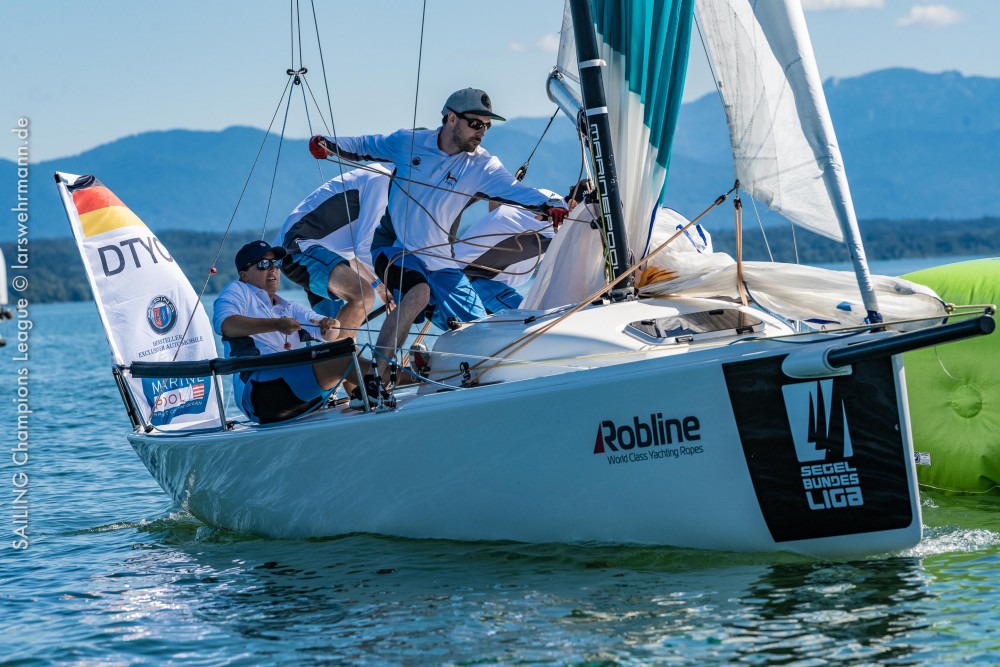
x,y
533,335
392,182
229,226
333,130
523,169
277,161
305,105
767,244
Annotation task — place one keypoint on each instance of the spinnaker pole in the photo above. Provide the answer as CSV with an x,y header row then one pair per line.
x,y
601,149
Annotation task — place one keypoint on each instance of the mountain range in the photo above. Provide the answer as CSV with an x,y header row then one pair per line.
x,y
915,145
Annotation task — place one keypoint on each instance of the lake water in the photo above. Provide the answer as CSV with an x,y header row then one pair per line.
x,y
116,575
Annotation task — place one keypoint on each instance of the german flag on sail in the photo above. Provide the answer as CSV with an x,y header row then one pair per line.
x,y
100,210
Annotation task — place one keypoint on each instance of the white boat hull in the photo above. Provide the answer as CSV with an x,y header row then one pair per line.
x,y
648,452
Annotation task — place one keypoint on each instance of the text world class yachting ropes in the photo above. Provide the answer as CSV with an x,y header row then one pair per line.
x,y
20,447
642,440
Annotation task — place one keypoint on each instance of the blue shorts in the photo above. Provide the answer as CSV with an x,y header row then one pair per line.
x,y
311,270
452,294
278,394
495,295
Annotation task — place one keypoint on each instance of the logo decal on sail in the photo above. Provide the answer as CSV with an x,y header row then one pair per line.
x,y
819,424
161,314
169,398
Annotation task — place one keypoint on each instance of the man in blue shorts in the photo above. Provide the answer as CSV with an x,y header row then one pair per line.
x,y
253,320
438,174
328,238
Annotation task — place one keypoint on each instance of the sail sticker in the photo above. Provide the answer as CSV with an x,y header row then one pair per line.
x,y
639,439
161,314
169,398
826,456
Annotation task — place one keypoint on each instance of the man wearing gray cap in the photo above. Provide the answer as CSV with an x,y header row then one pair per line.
x,y
438,174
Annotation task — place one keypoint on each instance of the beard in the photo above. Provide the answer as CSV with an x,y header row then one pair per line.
x,y
468,144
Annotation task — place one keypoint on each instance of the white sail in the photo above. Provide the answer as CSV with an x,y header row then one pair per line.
x,y
784,145
3,280
145,303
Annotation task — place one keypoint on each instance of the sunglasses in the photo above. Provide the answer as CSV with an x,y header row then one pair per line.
x,y
474,123
265,264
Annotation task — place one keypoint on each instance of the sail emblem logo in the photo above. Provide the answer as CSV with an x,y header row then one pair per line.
x,y
819,423
161,314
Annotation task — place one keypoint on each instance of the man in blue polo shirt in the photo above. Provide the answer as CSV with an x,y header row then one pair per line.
x,y
438,174
252,320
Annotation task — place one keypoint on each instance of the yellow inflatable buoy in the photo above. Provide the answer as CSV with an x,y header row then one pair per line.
x,y
954,389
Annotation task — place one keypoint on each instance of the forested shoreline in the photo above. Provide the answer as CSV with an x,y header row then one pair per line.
x,y
55,272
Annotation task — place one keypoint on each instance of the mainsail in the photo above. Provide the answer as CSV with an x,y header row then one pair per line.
x,y
645,46
145,303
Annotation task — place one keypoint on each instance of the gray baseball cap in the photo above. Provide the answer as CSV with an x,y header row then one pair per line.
x,y
470,100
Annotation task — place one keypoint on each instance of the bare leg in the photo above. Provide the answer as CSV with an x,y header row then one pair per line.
x,y
369,277
328,373
357,292
397,325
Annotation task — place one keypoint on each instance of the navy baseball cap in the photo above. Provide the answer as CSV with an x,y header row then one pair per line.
x,y
254,251
470,100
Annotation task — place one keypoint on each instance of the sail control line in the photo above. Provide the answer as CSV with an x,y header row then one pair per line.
x,y
497,358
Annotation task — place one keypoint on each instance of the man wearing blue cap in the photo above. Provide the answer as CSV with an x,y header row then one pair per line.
x,y
438,174
252,320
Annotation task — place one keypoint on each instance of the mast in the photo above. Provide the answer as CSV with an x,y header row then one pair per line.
x,y
599,133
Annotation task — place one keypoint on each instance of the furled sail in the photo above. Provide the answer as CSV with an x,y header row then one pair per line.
x,y
145,303
645,45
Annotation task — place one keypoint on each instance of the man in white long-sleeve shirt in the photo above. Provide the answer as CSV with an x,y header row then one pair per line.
x,y
438,174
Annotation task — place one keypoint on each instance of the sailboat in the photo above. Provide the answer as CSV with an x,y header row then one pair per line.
x,y
5,314
668,414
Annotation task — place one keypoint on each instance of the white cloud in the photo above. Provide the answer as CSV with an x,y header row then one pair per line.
x,y
517,47
933,15
828,5
548,43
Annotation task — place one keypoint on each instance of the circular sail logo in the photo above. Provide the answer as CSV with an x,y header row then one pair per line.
x,y
161,314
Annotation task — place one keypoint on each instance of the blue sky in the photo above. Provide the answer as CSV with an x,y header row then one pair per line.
x,y
86,73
